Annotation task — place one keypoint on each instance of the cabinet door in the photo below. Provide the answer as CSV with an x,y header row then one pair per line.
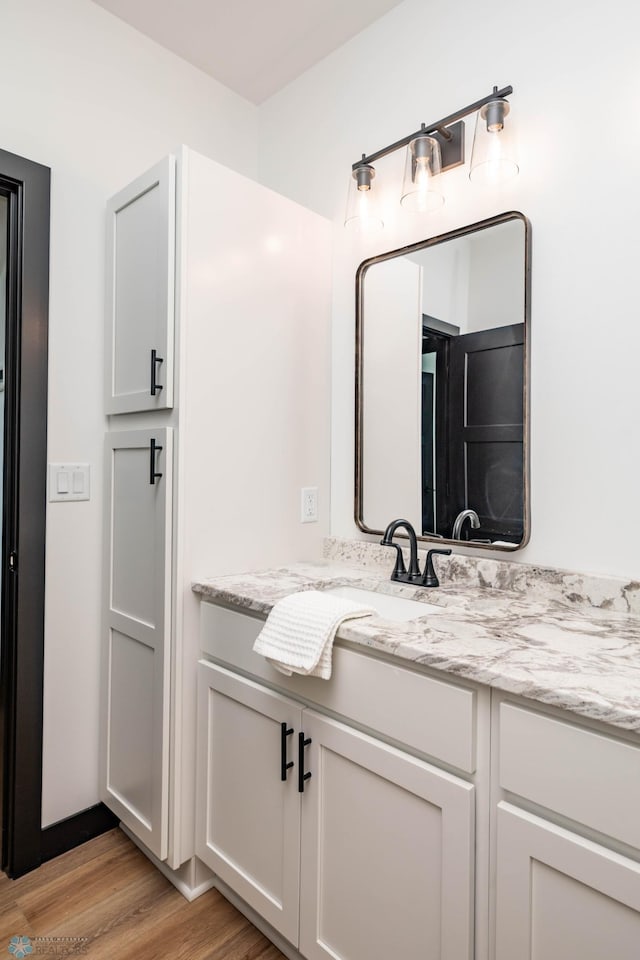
x,y
248,817
387,852
140,293
561,897
138,623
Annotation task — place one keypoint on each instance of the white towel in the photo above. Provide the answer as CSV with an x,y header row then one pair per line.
x,y
298,635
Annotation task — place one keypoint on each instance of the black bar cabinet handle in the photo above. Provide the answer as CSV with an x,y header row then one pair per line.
x,y
302,776
155,360
153,449
285,732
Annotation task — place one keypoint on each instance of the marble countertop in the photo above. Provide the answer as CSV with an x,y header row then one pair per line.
x,y
537,643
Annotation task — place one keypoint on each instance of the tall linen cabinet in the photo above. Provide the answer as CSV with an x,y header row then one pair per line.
x,y
217,396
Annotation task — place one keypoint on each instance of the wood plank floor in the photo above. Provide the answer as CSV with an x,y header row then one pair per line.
x,y
109,894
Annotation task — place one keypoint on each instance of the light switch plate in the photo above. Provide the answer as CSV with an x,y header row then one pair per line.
x,y
69,481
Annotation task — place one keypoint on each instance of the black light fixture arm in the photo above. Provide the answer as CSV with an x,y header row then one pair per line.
x,y
438,127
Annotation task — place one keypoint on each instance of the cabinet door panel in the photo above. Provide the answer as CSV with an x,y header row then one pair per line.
x,y
137,627
560,896
140,292
387,852
248,819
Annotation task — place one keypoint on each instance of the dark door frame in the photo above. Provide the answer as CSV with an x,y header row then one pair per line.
x,y
27,187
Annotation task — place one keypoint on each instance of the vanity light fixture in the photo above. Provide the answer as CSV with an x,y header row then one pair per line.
x,y
433,149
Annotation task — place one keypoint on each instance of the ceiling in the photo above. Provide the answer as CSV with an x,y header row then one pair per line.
x,y
254,47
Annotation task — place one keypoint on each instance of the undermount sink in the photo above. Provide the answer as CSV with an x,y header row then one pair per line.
x,y
391,608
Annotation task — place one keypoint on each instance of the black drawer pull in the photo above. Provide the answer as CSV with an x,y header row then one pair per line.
x,y
153,474
285,732
302,776
155,360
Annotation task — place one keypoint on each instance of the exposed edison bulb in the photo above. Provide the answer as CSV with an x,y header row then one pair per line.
x,y
493,157
361,212
422,167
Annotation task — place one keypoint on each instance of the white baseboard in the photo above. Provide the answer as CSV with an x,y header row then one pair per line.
x,y
192,879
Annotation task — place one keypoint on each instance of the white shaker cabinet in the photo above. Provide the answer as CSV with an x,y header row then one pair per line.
x,y
374,846
249,817
568,839
388,851
240,318
137,602
141,244
562,896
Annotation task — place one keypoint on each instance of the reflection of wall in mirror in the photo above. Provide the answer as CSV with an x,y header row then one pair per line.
x,y
445,282
391,375
476,282
496,277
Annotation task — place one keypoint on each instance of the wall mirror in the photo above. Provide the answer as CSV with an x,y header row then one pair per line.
x,y
442,372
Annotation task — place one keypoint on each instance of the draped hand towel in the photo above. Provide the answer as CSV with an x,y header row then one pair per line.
x,y
298,635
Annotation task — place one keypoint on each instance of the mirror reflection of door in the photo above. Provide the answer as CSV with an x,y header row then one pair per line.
x,y
486,431
436,337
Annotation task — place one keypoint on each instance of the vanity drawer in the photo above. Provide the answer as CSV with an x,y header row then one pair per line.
x,y
586,776
433,717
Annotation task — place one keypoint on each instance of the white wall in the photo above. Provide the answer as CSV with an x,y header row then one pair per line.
x,y
98,103
577,95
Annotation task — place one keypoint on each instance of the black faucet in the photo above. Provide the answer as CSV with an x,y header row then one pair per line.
x,y
413,575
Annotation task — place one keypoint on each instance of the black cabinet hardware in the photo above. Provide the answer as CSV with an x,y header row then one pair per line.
x,y
155,360
153,474
285,732
302,776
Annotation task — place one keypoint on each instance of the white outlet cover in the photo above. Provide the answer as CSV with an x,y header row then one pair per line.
x,y
309,505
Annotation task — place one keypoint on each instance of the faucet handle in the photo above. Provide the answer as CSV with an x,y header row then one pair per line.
x,y
429,578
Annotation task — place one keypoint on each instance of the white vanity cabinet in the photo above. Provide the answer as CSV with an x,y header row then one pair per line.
x,y
138,632
229,284
141,245
249,818
387,851
364,850
568,838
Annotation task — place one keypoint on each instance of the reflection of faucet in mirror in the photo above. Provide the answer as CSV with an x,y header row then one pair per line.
x,y
429,578
469,515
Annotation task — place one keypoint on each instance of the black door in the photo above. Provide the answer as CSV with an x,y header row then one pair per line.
x,y
486,430
24,187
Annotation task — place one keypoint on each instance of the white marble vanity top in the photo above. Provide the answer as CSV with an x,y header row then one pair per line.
x,y
562,639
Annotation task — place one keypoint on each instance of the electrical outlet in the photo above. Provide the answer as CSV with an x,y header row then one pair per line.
x,y
309,505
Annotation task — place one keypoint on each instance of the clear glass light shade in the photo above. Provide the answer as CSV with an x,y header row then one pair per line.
x,y
362,213
493,158
420,185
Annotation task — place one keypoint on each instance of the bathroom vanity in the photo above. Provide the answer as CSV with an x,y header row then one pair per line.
x,y
474,773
